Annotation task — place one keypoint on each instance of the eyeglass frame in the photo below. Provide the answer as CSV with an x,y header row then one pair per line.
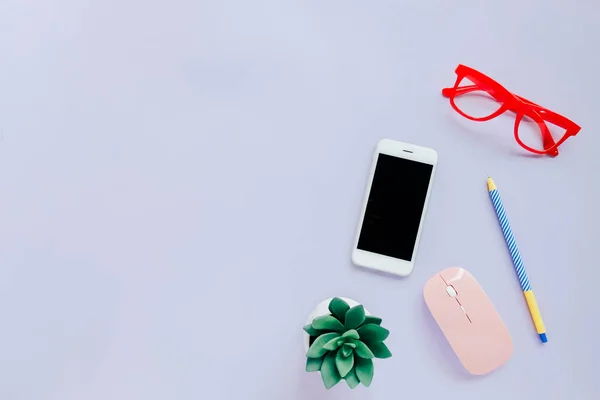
x,y
511,102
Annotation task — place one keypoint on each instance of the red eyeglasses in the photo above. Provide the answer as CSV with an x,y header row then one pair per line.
x,y
477,86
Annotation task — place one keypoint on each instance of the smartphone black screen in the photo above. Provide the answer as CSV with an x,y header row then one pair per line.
x,y
394,207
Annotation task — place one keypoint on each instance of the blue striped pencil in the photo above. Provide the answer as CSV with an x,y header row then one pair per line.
x,y
517,262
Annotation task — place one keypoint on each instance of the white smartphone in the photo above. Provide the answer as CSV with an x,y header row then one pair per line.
x,y
394,207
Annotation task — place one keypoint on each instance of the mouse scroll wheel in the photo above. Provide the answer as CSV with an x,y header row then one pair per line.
x,y
451,291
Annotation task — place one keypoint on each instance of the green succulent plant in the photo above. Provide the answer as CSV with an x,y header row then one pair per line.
x,y
344,343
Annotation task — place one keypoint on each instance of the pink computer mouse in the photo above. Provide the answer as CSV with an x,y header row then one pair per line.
x,y
468,319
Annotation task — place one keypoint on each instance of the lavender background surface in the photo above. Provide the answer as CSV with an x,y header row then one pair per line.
x,y
181,182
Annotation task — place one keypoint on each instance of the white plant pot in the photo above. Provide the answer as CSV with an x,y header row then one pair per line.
x,y
323,309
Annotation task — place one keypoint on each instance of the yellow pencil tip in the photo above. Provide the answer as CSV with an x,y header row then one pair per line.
x,y
491,184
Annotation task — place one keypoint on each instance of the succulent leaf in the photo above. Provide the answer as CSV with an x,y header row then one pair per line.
x,y
317,350
380,350
314,364
352,379
369,319
338,308
344,364
372,333
329,372
354,317
346,350
350,344
364,370
333,344
362,350
351,334
328,322
311,331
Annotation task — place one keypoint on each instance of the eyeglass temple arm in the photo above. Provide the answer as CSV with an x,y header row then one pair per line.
x,y
551,116
554,118
467,89
546,136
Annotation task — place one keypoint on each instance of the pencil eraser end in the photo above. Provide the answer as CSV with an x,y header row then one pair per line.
x,y
543,337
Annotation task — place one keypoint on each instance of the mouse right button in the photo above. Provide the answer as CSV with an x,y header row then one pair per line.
x,y
491,346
